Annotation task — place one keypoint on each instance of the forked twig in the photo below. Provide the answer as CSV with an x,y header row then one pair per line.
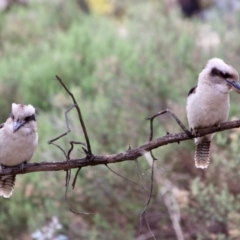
x,y
72,143
67,156
66,200
175,221
151,156
67,125
176,119
56,145
79,116
75,178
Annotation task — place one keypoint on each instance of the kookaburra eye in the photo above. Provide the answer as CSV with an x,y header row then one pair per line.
x,y
29,118
225,75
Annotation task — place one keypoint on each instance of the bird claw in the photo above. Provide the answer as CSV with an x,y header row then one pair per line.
x,y
21,166
194,132
189,133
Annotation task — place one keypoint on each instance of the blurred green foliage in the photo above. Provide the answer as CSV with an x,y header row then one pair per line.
x,y
120,73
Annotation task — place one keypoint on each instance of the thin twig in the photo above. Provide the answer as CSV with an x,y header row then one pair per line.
x,y
75,178
143,213
79,116
127,179
67,125
176,119
68,156
168,201
56,145
67,204
72,143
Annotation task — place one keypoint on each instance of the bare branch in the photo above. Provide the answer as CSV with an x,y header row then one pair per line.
x,y
79,116
66,200
131,154
67,125
174,116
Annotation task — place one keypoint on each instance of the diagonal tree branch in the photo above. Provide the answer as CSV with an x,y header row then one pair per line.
x,y
131,154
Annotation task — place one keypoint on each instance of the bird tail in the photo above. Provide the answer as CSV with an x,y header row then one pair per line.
x,y
7,185
202,154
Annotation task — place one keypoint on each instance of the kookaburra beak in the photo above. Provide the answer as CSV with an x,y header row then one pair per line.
x,y
18,124
235,85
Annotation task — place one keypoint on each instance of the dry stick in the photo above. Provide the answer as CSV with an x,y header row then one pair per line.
x,y
68,177
68,206
176,119
68,172
128,155
72,143
68,156
144,212
75,178
80,118
127,179
67,125
175,221
56,145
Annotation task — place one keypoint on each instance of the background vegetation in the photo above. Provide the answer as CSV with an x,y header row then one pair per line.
x,y
121,69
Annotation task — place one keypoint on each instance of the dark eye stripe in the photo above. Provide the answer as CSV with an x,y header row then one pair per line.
x,y
30,118
216,72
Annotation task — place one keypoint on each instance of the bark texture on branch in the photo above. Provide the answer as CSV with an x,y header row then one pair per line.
x,y
131,154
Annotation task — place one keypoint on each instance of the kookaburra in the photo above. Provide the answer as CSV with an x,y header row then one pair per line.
x,y
208,104
18,142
